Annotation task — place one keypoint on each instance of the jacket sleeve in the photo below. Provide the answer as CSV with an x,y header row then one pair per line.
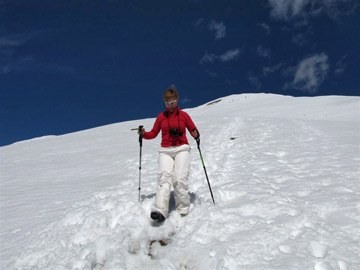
x,y
190,124
155,130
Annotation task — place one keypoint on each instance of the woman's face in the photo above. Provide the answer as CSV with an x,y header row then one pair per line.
x,y
171,104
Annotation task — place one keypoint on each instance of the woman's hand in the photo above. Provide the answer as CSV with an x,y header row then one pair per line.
x,y
195,134
141,131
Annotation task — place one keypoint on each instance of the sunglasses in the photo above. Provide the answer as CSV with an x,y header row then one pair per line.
x,y
171,102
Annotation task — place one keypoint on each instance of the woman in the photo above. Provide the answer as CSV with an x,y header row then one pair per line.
x,y
174,156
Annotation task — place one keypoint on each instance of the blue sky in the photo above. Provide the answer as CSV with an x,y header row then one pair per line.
x,y
66,66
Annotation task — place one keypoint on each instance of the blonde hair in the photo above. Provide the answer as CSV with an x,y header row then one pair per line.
x,y
170,94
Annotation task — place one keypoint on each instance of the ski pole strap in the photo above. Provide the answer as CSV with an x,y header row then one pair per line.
x,y
198,142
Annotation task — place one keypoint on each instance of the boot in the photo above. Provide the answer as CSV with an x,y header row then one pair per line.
x,y
157,216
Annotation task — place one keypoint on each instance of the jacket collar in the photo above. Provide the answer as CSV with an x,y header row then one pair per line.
x,y
176,111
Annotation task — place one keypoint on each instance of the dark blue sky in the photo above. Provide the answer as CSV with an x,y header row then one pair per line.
x,y
72,65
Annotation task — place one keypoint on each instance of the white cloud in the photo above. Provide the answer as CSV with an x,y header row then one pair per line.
x,y
198,22
12,41
10,61
9,43
266,27
337,8
185,100
16,65
19,39
230,55
340,66
230,82
5,69
299,39
263,52
310,73
272,69
218,28
285,9
254,81
289,9
208,58
212,74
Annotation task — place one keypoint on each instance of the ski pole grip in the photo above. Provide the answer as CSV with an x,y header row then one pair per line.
x,y
197,139
140,136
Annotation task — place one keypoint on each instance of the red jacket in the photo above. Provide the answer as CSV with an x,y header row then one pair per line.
x,y
176,120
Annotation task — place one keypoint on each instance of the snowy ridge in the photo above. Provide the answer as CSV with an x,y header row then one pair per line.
x,y
284,172
331,108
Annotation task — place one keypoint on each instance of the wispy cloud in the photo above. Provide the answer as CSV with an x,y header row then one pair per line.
x,y
16,65
290,9
222,77
11,61
19,39
208,58
230,82
300,39
198,22
6,42
229,55
272,69
12,41
266,28
263,52
287,9
340,66
338,8
212,74
5,69
219,28
310,73
185,100
254,81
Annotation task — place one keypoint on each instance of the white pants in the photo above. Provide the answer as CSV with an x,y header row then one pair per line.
x,y
174,167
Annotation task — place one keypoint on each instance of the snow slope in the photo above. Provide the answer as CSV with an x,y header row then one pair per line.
x,y
284,172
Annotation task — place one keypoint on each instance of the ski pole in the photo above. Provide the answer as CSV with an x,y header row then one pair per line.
x,y
140,141
202,160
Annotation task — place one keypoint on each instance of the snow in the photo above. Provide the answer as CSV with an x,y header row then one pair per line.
x,y
284,172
